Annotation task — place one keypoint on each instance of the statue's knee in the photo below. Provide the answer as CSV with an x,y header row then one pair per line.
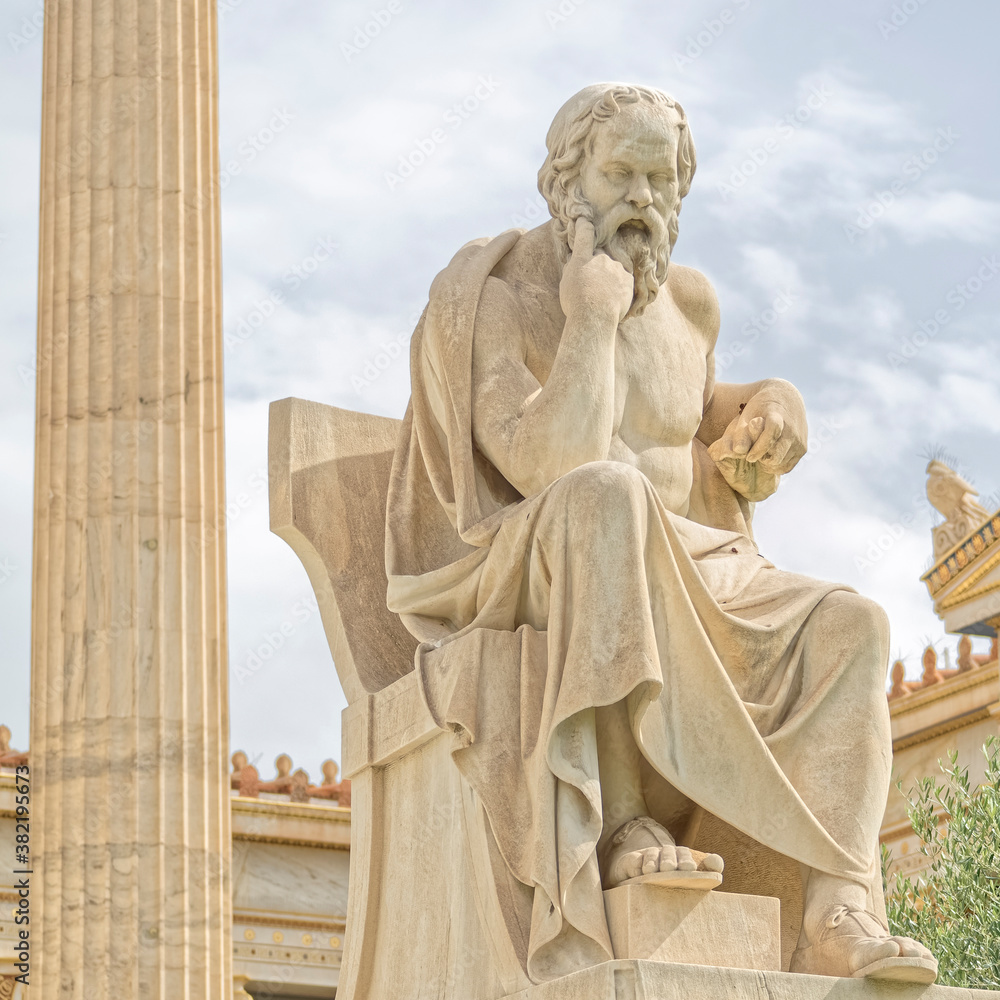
x,y
852,622
601,484
600,503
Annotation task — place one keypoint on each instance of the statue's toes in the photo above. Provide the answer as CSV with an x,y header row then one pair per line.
x,y
668,858
685,860
874,950
629,866
909,948
650,860
710,862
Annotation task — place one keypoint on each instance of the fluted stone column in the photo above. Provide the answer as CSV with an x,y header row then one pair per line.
x,y
131,830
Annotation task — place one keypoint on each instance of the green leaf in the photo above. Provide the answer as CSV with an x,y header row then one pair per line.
x,y
953,904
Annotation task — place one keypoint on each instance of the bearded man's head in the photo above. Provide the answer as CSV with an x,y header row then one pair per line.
x,y
630,230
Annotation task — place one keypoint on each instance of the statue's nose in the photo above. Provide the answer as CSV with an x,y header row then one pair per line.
x,y
640,194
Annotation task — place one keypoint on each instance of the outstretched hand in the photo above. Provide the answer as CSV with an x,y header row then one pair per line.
x,y
760,445
594,285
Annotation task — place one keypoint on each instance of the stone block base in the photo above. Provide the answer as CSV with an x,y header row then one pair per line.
x,y
694,927
635,980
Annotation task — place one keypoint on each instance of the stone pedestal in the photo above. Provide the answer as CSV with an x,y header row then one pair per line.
x,y
694,927
659,981
129,731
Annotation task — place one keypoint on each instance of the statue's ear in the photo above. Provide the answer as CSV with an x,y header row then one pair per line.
x,y
686,159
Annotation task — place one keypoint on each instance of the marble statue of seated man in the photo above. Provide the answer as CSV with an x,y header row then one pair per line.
x,y
570,465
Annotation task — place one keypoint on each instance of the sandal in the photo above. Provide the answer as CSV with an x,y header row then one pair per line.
x,y
840,950
613,873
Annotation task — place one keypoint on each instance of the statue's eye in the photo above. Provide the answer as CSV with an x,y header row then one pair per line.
x,y
618,173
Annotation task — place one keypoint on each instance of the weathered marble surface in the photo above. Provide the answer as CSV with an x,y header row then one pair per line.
x,y
569,470
684,926
656,981
129,696
568,537
286,878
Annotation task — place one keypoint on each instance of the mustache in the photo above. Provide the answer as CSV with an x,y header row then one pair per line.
x,y
648,269
640,241
639,220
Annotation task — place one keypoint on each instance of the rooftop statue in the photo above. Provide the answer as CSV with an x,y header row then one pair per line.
x,y
570,468
953,497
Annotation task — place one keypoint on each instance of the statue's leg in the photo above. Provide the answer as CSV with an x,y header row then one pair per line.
x,y
834,743
630,787
620,763
843,770
633,843
587,588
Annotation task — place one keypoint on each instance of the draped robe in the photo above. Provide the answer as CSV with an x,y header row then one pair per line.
x,y
731,697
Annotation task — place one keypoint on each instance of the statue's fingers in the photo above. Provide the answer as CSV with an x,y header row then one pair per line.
x,y
774,460
668,858
722,447
745,433
583,239
767,437
685,861
783,450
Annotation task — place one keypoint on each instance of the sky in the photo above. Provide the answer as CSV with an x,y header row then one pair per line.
x,y
844,208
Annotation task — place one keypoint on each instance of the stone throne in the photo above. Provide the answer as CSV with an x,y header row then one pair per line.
x,y
428,913
421,935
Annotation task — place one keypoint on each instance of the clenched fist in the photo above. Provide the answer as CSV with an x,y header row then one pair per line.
x,y
594,286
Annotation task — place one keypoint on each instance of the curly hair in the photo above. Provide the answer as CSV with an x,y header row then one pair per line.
x,y
570,138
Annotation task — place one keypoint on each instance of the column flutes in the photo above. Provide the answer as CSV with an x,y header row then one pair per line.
x,y
129,735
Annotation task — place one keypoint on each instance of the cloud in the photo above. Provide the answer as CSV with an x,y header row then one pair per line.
x,y
770,268
976,401
837,149
954,215
323,175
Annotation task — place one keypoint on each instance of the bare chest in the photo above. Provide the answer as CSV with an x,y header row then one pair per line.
x,y
660,370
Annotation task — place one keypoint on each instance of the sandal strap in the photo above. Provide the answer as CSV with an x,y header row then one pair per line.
x,y
842,911
623,832
829,942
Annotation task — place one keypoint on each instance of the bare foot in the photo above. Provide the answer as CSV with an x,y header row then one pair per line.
x,y
848,941
643,847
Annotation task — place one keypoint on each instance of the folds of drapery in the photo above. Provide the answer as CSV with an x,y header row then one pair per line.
x,y
624,601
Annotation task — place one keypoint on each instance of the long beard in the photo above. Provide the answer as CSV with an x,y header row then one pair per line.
x,y
645,255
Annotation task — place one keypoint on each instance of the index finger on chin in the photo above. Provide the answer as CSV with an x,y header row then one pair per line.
x,y
583,239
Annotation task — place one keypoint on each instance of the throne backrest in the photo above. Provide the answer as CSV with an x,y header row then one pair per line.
x,y
328,472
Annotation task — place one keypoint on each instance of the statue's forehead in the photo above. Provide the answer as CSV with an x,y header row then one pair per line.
x,y
638,130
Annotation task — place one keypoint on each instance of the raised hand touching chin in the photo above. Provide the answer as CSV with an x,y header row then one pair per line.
x,y
594,287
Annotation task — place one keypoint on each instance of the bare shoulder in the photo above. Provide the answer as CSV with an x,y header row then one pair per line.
x,y
694,295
